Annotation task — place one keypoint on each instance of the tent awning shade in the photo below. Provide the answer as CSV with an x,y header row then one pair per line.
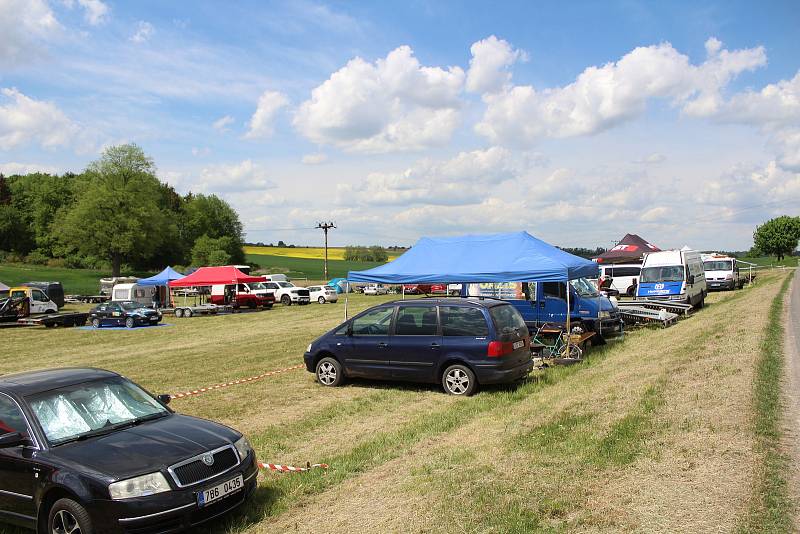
x,y
210,276
4,287
162,278
514,257
631,249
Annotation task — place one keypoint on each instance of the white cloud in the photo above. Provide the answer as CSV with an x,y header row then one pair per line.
x,y
315,159
221,124
391,105
460,180
13,167
235,178
24,120
651,159
261,121
489,66
751,186
24,26
659,213
602,97
144,30
200,152
95,11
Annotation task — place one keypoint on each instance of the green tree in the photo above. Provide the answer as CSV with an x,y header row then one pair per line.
x,y
211,216
117,215
378,253
213,251
14,232
778,236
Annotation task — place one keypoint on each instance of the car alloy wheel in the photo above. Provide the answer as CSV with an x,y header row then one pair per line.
x,y
68,517
321,300
129,322
65,523
286,300
95,323
459,380
329,372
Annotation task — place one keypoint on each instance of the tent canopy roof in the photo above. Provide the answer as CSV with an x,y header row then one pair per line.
x,y
4,287
513,257
162,278
630,249
210,276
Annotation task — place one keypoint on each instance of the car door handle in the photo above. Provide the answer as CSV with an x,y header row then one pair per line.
x,y
434,346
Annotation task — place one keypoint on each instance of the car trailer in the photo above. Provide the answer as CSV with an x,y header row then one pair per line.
x,y
200,309
642,315
678,308
89,299
52,320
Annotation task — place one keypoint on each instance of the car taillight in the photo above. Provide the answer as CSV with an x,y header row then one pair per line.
x,y
497,349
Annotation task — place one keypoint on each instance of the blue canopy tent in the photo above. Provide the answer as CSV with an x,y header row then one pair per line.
x,y
513,257
162,279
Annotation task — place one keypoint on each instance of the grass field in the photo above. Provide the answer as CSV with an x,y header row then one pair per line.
x,y
75,281
312,269
315,253
654,433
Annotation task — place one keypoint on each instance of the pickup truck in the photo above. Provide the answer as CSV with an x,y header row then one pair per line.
x,y
250,295
288,293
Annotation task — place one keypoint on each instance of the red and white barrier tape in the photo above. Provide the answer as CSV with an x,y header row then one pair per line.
x,y
291,469
233,383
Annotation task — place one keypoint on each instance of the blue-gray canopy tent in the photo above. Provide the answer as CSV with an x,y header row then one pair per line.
x,y
162,280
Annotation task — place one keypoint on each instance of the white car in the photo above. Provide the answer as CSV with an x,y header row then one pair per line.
x,y
375,289
287,293
323,294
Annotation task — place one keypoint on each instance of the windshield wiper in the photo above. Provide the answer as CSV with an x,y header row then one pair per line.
x,y
110,427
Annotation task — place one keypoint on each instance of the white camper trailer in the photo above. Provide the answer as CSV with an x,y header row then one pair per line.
x,y
143,295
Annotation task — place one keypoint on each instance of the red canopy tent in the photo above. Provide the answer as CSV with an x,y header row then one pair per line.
x,y
210,276
630,249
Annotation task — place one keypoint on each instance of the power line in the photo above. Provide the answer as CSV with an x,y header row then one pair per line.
x,y
325,226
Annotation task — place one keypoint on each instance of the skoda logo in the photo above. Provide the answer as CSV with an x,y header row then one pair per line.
x,y
208,460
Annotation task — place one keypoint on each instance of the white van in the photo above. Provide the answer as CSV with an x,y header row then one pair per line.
x,y
722,272
673,275
144,295
624,276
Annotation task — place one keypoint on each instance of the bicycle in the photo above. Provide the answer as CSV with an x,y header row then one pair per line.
x,y
553,339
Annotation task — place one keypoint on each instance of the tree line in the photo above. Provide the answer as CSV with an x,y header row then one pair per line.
x,y
373,253
116,213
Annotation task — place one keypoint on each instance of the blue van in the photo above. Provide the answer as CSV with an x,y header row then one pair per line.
x,y
546,302
460,343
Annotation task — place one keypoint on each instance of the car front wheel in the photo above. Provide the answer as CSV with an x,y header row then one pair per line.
x,y
286,300
95,322
129,322
459,380
68,517
321,300
329,372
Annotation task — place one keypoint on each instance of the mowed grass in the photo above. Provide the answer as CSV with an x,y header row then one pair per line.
x,y
651,434
75,281
316,253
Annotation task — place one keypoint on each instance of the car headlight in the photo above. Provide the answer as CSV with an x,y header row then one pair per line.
x,y
604,315
243,446
138,487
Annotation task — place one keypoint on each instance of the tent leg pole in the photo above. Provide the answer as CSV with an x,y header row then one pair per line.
x,y
347,291
404,291
569,336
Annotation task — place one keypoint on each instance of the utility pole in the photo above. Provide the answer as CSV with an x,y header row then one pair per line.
x,y
325,226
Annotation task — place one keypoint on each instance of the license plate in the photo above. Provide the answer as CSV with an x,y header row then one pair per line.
x,y
219,491
518,344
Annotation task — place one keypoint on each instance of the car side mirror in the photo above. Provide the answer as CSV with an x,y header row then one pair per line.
x,y
13,439
164,398
350,329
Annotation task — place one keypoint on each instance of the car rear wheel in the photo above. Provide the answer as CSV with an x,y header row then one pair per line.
x,y
95,323
129,322
68,517
286,300
329,372
459,380
321,300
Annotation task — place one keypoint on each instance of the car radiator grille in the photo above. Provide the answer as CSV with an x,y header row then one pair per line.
x,y
196,471
303,292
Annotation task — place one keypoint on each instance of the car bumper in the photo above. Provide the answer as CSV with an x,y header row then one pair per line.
x,y
173,511
611,327
300,300
487,374
726,284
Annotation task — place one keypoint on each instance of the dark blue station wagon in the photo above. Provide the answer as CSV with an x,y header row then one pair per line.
x,y
459,342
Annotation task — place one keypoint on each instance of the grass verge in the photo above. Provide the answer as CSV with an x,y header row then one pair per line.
x,y
772,506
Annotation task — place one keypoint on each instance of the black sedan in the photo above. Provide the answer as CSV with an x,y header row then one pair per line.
x,y
125,313
87,450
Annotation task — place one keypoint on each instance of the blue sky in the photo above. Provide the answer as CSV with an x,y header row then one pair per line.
x,y
578,122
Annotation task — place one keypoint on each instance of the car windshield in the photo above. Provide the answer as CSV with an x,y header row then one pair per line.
x,y
131,305
285,284
256,285
666,273
83,410
584,287
717,265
